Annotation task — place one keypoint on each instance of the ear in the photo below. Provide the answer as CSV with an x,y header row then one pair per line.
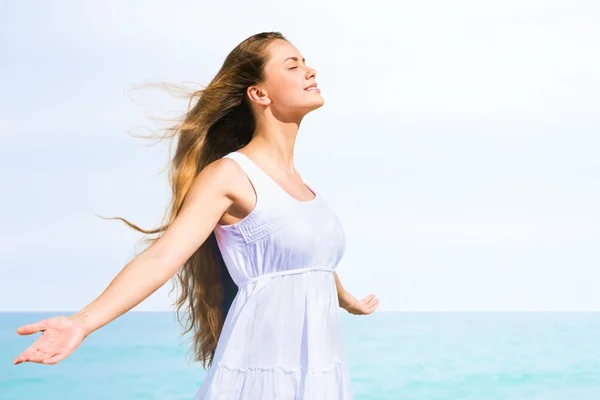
x,y
258,95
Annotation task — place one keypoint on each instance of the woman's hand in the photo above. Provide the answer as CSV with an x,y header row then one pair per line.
x,y
351,304
361,307
60,337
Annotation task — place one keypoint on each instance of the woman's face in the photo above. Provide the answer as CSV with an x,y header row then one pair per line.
x,y
286,88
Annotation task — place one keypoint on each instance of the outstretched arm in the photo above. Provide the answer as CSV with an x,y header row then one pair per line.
x,y
205,203
351,303
207,199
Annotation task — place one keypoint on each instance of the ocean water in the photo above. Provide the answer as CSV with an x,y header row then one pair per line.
x,y
396,356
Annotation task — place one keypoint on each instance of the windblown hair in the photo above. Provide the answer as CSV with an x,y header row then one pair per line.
x,y
220,121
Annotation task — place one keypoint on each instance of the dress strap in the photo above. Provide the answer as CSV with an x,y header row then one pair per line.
x,y
255,173
260,182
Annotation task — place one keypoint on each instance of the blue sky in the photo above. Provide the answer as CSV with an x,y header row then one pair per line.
x,y
458,143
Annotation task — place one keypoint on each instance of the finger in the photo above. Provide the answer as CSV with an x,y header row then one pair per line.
x,y
24,356
366,309
54,359
37,357
19,359
367,306
32,328
370,307
368,298
373,300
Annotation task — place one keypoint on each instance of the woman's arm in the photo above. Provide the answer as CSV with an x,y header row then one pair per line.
x,y
206,201
351,303
345,299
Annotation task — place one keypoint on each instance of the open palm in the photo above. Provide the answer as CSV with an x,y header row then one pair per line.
x,y
364,306
60,337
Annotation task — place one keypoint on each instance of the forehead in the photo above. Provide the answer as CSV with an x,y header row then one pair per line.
x,y
279,50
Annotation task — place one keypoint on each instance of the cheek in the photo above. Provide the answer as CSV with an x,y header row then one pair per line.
x,y
287,91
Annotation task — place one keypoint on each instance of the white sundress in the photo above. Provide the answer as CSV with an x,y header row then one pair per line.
x,y
281,338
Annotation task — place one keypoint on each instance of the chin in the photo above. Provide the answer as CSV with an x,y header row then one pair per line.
x,y
309,106
316,103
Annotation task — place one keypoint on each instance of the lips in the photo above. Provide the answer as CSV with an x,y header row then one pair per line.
x,y
311,87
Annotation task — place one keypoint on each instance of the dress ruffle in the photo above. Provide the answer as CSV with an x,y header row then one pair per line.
x,y
262,383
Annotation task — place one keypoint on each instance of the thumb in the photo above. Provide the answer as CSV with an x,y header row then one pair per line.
x,y
32,328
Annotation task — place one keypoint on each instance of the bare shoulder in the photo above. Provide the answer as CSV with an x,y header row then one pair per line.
x,y
223,176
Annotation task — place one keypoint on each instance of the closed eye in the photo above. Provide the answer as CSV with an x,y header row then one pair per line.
x,y
293,68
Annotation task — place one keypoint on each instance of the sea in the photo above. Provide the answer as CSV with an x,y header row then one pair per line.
x,y
392,355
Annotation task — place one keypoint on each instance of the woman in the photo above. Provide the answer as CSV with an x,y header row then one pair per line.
x,y
253,246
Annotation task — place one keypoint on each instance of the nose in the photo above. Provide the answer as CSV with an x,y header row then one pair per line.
x,y
311,73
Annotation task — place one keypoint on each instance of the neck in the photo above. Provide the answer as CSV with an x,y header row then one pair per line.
x,y
274,142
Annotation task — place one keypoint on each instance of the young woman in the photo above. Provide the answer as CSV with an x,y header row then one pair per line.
x,y
253,246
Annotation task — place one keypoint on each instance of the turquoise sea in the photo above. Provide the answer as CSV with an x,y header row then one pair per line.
x,y
396,356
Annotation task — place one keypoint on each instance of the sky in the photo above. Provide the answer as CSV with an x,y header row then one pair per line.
x,y
459,143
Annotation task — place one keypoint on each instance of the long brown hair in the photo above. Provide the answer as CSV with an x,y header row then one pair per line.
x,y
220,121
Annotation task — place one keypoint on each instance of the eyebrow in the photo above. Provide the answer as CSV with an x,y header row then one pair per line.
x,y
295,59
